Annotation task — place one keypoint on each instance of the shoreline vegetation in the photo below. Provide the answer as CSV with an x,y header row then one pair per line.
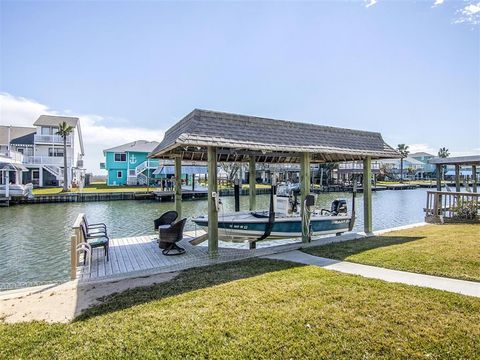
x,y
449,250
275,309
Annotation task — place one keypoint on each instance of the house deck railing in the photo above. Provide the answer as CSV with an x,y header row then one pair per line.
x,y
51,139
445,206
45,160
356,166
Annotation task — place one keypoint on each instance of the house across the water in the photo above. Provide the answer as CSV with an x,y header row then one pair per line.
x,y
40,150
128,164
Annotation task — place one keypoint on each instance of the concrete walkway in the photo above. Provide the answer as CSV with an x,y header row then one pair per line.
x,y
463,287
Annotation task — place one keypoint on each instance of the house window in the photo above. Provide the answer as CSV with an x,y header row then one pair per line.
x,y
119,174
48,130
119,157
56,152
131,172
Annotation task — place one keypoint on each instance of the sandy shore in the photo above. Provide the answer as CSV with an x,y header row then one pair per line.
x,y
63,302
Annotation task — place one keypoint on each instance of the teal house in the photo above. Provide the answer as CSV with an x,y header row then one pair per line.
x,y
128,164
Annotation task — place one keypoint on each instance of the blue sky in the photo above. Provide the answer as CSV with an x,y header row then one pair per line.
x,y
410,70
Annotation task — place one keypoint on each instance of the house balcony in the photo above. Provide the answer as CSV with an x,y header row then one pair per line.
x,y
356,166
51,139
13,155
45,160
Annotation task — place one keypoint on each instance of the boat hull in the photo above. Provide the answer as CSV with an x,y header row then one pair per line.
x,y
246,227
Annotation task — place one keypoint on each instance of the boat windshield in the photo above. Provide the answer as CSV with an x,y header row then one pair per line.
x,y
285,189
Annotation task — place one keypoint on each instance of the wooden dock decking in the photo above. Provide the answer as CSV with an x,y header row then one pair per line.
x,y
140,255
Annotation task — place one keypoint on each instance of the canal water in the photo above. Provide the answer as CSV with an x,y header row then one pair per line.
x,y
35,239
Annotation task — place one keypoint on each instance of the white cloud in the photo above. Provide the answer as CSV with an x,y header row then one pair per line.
x,y
414,148
369,3
469,14
19,111
438,2
97,135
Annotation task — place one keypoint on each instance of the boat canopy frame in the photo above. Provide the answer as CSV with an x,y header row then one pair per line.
x,y
458,162
212,136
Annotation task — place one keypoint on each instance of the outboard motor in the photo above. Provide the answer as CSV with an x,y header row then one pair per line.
x,y
339,207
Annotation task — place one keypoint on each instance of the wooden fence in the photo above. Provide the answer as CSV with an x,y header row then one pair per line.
x,y
445,206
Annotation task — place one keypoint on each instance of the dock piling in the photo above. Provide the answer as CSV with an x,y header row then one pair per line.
x,y
213,198
178,186
304,191
252,174
367,195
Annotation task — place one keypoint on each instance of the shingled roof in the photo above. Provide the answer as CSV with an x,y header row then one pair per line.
x,y
54,120
459,160
134,146
237,137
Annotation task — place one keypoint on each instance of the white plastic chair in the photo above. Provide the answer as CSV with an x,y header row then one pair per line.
x,y
87,253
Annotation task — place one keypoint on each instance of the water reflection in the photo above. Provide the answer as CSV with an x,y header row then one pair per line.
x,y
34,239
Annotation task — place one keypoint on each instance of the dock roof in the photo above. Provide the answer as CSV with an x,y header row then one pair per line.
x,y
459,160
238,137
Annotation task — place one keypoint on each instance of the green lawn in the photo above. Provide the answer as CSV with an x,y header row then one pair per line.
x,y
261,309
408,182
444,250
94,187
102,187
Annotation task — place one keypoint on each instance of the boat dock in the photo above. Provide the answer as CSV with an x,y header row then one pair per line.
x,y
141,256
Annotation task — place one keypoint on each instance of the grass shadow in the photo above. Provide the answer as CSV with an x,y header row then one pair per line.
x,y
342,250
188,280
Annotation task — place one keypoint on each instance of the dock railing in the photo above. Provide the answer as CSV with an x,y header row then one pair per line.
x,y
445,206
75,240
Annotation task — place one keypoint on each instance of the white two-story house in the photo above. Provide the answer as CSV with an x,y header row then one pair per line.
x,y
41,151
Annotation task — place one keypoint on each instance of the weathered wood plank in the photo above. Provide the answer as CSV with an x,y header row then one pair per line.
x,y
127,256
199,239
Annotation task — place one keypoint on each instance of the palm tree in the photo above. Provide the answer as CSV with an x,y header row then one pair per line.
x,y
403,150
64,130
443,153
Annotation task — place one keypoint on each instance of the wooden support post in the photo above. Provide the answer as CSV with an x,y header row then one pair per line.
x,y
304,191
474,178
457,178
439,177
236,193
212,202
252,191
178,186
73,257
367,195
7,184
